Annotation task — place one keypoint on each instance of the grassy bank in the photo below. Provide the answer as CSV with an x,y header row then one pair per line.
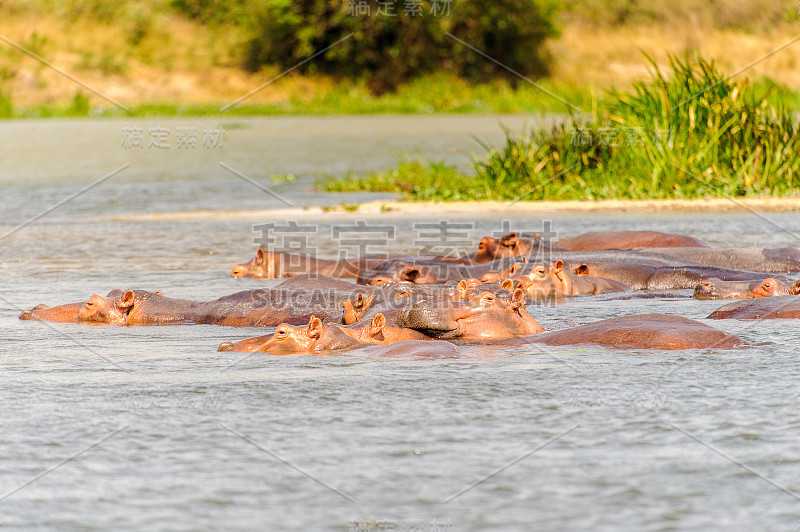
x,y
688,134
437,93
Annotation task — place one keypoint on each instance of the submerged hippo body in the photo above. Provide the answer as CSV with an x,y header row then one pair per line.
x,y
429,272
250,308
645,331
769,287
628,239
779,307
768,260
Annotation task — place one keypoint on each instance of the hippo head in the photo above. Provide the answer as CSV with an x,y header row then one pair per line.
x,y
518,244
113,308
471,290
263,266
543,279
718,289
487,250
486,318
378,331
288,339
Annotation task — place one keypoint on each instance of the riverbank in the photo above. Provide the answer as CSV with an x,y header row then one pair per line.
x,y
468,209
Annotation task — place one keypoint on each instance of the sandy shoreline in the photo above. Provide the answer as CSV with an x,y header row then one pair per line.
x,y
388,209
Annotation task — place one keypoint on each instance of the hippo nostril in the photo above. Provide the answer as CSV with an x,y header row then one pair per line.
x,y
27,315
226,346
239,271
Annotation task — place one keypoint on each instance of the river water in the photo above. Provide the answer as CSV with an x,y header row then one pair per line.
x,y
152,428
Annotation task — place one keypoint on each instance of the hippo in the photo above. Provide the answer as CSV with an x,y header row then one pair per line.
x,y
69,313
544,279
525,245
274,265
643,331
766,308
487,318
718,289
628,239
317,337
767,260
250,308
647,276
487,250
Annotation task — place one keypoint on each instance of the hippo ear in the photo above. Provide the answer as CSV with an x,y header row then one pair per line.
x,y
582,270
158,293
558,266
126,299
518,298
507,284
348,313
378,323
260,256
359,302
525,259
314,328
462,288
410,275
510,240
794,289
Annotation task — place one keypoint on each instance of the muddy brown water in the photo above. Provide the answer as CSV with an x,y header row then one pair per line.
x,y
152,428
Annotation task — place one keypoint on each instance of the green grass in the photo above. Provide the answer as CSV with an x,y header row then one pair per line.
x,y
437,93
694,134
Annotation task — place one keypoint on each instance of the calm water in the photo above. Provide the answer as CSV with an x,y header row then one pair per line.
x,y
152,428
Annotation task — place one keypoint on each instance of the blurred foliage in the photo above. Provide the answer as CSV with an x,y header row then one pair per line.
x,y
723,14
366,40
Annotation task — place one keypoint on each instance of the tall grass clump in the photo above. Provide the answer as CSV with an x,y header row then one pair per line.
x,y
692,134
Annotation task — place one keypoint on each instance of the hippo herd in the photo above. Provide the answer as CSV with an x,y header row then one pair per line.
x,y
426,304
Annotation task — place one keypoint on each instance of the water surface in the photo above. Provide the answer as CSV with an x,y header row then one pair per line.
x,y
160,431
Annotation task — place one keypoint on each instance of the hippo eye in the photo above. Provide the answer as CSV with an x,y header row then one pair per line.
x,y
280,333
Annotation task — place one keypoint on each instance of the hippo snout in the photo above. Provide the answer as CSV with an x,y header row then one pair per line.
x,y
240,270
27,315
425,317
705,290
226,346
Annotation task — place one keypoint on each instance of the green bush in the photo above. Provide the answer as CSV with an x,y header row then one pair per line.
x,y
389,50
694,134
